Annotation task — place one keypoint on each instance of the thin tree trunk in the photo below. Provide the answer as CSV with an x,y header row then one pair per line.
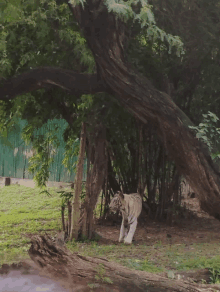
x,y
74,231
88,183
69,205
62,216
140,163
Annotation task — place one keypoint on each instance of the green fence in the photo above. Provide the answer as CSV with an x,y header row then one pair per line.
x,y
14,153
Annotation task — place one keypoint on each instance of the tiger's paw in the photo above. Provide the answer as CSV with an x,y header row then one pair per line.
x,y
127,241
121,239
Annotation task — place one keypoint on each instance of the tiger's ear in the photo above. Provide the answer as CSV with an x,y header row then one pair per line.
x,y
121,195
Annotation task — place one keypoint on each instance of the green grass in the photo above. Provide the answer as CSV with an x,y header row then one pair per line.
x,y
215,275
156,258
24,211
197,256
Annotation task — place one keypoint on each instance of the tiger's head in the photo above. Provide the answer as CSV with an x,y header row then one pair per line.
x,y
116,202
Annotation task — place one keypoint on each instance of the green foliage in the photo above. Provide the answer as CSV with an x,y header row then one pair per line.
x,y
65,196
198,262
143,265
101,275
5,62
45,191
121,8
215,276
208,132
92,285
40,35
40,162
141,12
45,145
11,11
97,212
71,151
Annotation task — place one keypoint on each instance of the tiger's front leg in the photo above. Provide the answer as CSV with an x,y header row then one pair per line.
x,y
129,237
122,231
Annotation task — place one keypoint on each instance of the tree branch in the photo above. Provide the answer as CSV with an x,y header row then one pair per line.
x,y
72,82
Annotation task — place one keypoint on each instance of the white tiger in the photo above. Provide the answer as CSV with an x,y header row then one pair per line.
x,y
130,207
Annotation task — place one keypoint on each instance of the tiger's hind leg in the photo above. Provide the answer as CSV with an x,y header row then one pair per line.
x,y
129,237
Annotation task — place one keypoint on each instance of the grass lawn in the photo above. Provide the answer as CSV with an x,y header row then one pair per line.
x,y
156,258
24,211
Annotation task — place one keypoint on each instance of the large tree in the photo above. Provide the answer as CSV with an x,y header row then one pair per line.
x,y
106,27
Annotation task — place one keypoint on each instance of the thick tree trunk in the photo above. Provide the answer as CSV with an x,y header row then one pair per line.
x,y
59,262
95,177
78,186
105,36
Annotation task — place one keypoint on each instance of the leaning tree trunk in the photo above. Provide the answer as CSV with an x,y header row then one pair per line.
x,y
57,261
95,177
105,35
